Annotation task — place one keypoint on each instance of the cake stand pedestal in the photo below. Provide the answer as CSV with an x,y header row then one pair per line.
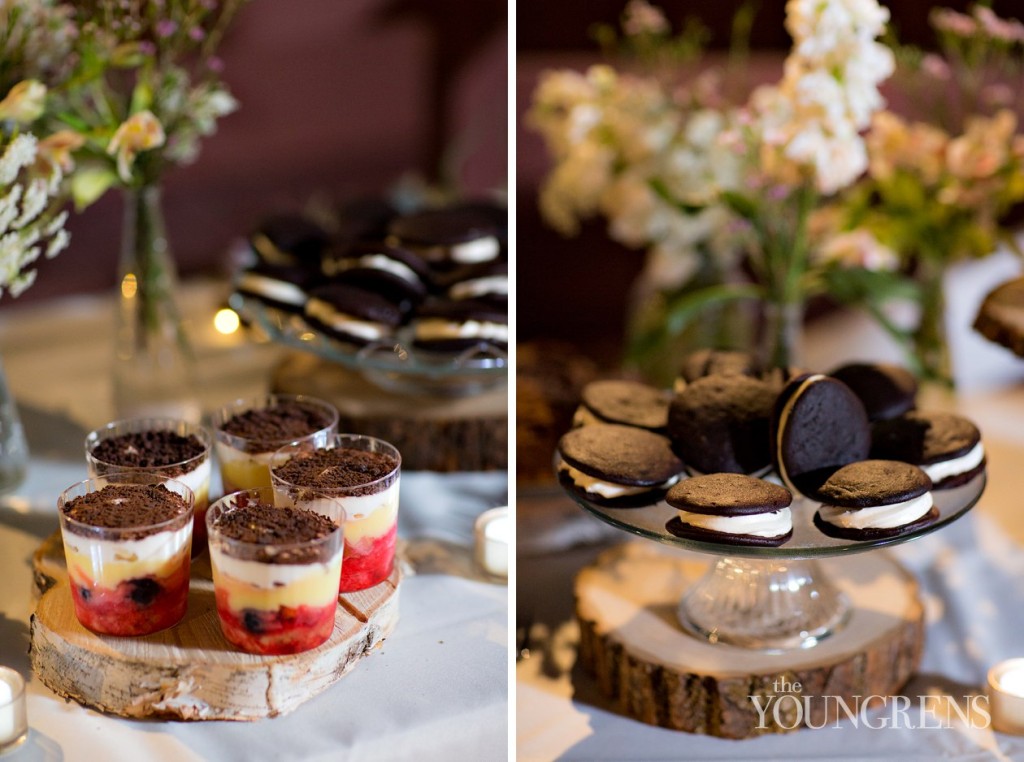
x,y
762,640
189,671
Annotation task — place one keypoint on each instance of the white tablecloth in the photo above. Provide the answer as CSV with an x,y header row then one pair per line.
x,y
436,690
971,574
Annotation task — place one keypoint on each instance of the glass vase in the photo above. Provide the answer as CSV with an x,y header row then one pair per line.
x,y
154,366
13,445
781,327
930,344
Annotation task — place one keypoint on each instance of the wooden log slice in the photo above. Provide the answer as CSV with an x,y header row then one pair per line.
x,y
641,658
190,671
433,433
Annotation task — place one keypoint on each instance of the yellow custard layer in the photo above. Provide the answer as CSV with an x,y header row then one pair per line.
x,y
253,585
241,470
108,563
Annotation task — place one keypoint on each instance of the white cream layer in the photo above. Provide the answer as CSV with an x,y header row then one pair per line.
x,y
276,290
433,329
345,323
110,562
198,479
879,517
954,466
480,250
468,289
268,576
771,524
373,262
605,489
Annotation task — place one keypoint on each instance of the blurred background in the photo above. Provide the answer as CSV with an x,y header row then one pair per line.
x,y
338,99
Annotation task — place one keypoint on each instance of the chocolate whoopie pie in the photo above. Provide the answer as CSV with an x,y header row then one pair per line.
x,y
285,287
886,390
731,508
818,425
447,237
447,326
353,315
946,446
627,402
875,499
290,240
395,273
364,218
714,362
486,281
720,424
615,465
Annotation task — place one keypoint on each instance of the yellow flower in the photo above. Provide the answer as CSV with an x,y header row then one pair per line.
x,y
984,147
139,132
55,149
24,103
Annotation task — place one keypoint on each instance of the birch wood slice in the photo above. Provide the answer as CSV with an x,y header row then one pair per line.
x,y
433,433
190,672
641,658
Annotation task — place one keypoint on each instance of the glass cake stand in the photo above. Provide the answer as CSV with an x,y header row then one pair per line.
x,y
394,365
771,598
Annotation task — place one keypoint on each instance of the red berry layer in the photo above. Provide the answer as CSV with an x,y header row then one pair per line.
x,y
368,563
285,631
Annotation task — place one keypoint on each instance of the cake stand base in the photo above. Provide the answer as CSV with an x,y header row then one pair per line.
x,y
189,671
632,642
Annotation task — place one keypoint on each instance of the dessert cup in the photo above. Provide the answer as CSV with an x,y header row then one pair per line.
x,y
127,540
356,474
247,432
276,571
168,447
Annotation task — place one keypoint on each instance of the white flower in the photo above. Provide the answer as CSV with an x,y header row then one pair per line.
x,y
19,153
35,202
58,243
859,248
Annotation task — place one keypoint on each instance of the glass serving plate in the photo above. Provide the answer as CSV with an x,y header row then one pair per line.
x,y
394,365
771,599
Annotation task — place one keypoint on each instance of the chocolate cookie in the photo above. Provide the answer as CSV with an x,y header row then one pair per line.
x,y
446,326
447,238
720,424
395,273
947,447
487,282
285,287
818,425
886,390
714,362
627,402
617,465
290,240
875,499
731,508
364,219
353,315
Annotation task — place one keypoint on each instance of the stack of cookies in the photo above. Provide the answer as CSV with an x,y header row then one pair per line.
x,y
441,273
733,444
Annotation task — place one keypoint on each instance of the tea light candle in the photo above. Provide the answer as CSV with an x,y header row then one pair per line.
x,y
13,720
493,537
1006,696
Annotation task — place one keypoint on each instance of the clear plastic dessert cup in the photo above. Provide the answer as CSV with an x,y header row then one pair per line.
x,y
127,540
275,595
245,457
359,475
171,448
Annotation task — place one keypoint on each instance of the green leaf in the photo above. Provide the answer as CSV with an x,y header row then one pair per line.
x,y
740,204
89,183
856,285
660,189
142,98
684,309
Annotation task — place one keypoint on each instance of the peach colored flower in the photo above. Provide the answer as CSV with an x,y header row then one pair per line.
x,y
139,132
24,103
55,150
983,148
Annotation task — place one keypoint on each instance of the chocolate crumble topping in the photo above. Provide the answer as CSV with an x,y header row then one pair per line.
x,y
263,524
339,468
147,449
268,428
124,506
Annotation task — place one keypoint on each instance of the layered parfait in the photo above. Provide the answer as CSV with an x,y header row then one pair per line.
x,y
248,432
127,540
354,478
275,573
170,448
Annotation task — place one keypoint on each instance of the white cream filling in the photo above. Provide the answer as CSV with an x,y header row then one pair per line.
x,y
480,250
467,289
879,517
277,290
771,524
268,576
342,321
947,468
597,486
433,329
373,262
155,549
198,479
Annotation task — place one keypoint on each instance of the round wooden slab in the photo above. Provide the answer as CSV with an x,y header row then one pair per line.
x,y
632,643
433,433
190,671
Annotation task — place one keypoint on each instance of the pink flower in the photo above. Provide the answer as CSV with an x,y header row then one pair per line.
x,y
166,27
948,20
936,67
640,17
